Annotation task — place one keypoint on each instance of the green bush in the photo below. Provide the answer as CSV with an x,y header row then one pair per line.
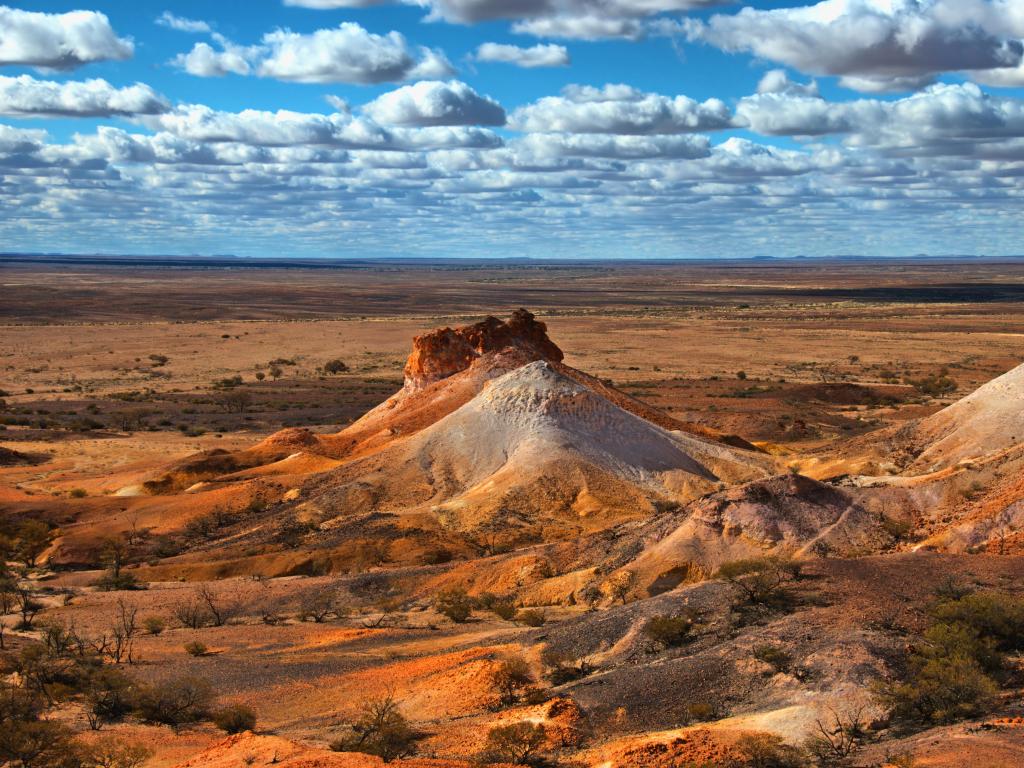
x,y
154,625
953,673
195,648
774,655
454,604
671,631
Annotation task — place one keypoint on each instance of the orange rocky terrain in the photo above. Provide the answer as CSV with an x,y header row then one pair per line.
x,y
534,566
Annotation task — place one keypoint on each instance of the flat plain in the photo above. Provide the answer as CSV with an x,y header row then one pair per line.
x,y
113,375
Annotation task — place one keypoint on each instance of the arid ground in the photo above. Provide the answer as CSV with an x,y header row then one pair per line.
x,y
794,413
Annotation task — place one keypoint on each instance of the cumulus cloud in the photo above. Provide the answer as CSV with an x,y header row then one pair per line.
x,y
620,109
873,45
574,19
777,81
582,27
554,145
181,24
283,128
943,119
435,103
345,54
205,61
25,96
535,56
59,41
20,140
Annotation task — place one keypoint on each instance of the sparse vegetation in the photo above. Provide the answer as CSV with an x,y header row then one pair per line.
x,y
671,631
517,743
196,648
761,581
381,729
454,604
235,718
954,671
511,679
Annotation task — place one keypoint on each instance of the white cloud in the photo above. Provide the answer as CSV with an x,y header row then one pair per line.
x,y
947,120
197,122
620,109
25,96
20,140
430,102
874,45
471,11
181,24
535,56
58,41
777,81
581,27
345,54
204,61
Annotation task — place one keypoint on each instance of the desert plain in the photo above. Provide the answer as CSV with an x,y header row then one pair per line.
x,y
675,514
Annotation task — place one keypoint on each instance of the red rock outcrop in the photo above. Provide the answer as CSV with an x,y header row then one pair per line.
x,y
446,351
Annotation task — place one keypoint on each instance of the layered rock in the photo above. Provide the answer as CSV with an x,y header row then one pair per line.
x,y
444,352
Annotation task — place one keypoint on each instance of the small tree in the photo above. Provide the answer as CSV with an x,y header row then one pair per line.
x,y
620,585
27,606
334,367
106,693
518,743
110,752
760,580
381,729
33,537
838,739
511,679
175,702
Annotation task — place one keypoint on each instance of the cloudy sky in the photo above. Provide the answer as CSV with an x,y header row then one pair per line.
x,y
543,128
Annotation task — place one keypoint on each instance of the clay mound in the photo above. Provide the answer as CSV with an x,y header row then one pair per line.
x,y
988,421
248,748
534,442
786,514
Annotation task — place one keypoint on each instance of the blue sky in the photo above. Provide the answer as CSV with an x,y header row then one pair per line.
x,y
490,128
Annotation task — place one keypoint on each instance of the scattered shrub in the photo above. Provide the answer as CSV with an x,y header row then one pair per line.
x,y
766,750
335,366
382,730
235,718
671,631
454,604
776,656
195,648
518,743
511,680
761,580
531,617
154,625
175,702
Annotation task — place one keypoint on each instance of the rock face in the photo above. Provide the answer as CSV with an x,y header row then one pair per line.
x,y
446,351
